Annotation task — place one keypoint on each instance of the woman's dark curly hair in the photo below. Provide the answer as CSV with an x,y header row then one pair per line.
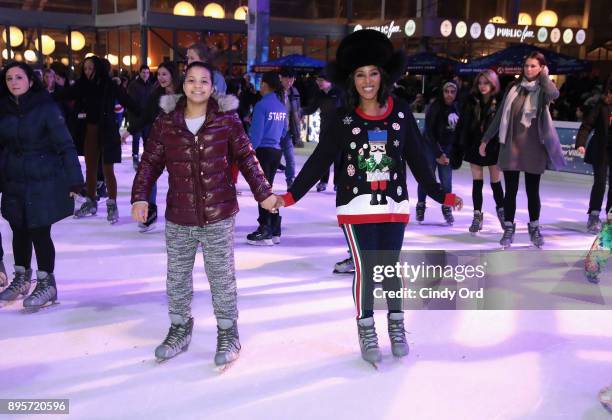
x,y
352,96
32,78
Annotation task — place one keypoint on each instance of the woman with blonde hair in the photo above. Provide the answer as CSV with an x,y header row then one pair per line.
x,y
476,116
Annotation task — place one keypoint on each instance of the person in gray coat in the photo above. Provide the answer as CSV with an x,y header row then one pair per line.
x,y
528,142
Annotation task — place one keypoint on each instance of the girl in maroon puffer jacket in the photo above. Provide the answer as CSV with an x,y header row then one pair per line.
x,y
197,142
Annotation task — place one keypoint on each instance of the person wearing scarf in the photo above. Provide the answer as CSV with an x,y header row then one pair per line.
x,y
528,142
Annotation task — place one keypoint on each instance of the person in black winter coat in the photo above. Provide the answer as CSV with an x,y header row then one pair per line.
x,y
139,90
328,100
40,174
477,113
167,87
441,133
599,154
96,95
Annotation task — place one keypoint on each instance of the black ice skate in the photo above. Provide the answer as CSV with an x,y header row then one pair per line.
x,y
534,234
20,286
476,223
44,294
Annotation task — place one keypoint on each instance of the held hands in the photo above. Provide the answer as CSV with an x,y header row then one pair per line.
x,y
140,212
458,203
273,203
443,160
482,150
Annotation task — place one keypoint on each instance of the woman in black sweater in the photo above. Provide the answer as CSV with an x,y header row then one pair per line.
x,y
377,136
476,116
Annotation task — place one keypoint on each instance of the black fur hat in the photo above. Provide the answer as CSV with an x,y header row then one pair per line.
x,y
366,47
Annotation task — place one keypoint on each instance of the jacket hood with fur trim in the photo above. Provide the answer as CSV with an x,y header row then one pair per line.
x,y
226,103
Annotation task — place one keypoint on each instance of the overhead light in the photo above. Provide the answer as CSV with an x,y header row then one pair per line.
x,y
113,59
524,19
183,8
547,18
48,45
30,56
77,41
497,19
126,60
5,54
241,13
89,54
214,10
16,36
149,62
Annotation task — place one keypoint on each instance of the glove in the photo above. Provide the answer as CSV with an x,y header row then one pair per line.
x,y
452,120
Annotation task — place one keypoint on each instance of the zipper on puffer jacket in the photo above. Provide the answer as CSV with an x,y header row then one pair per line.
x,y
198,179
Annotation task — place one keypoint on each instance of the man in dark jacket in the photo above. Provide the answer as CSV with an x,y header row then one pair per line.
x,y
441,121
292,138
328,99
599,154
139,90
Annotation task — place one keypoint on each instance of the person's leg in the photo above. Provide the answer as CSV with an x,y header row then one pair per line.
x,y
22,247
218,250
136,144
217,241
91,151
477,183
532,186
599,186
287,149
111,180
511,179
46,289
266,161
181,247
496,186
44,248
3,276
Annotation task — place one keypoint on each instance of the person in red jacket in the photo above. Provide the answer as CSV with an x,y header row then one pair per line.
x,y
197,143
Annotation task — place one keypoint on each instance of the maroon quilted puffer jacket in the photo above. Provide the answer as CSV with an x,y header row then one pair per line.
x,y
199,176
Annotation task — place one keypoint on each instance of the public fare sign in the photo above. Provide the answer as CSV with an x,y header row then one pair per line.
x,y
450,28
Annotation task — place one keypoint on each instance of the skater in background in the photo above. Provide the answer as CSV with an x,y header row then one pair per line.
x,y
476,116
528,142
139,90
599,155
291,99
40,175
327,100
196,143
441,119
204,54
95,94
601,250
162,99
378,136
268,126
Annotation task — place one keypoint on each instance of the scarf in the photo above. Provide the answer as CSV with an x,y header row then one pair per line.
x,y
530,107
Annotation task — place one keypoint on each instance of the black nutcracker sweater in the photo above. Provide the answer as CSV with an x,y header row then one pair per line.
x,y
372,178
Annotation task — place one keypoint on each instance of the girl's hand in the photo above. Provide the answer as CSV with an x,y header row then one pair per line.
x,y
140,212
482,150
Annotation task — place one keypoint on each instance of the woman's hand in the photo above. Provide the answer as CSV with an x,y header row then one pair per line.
x,y
124,136
544,71
272,203
482,149
443,160
140,212
581,150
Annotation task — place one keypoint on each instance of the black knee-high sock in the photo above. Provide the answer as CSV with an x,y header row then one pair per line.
x,y
477,194
498,194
